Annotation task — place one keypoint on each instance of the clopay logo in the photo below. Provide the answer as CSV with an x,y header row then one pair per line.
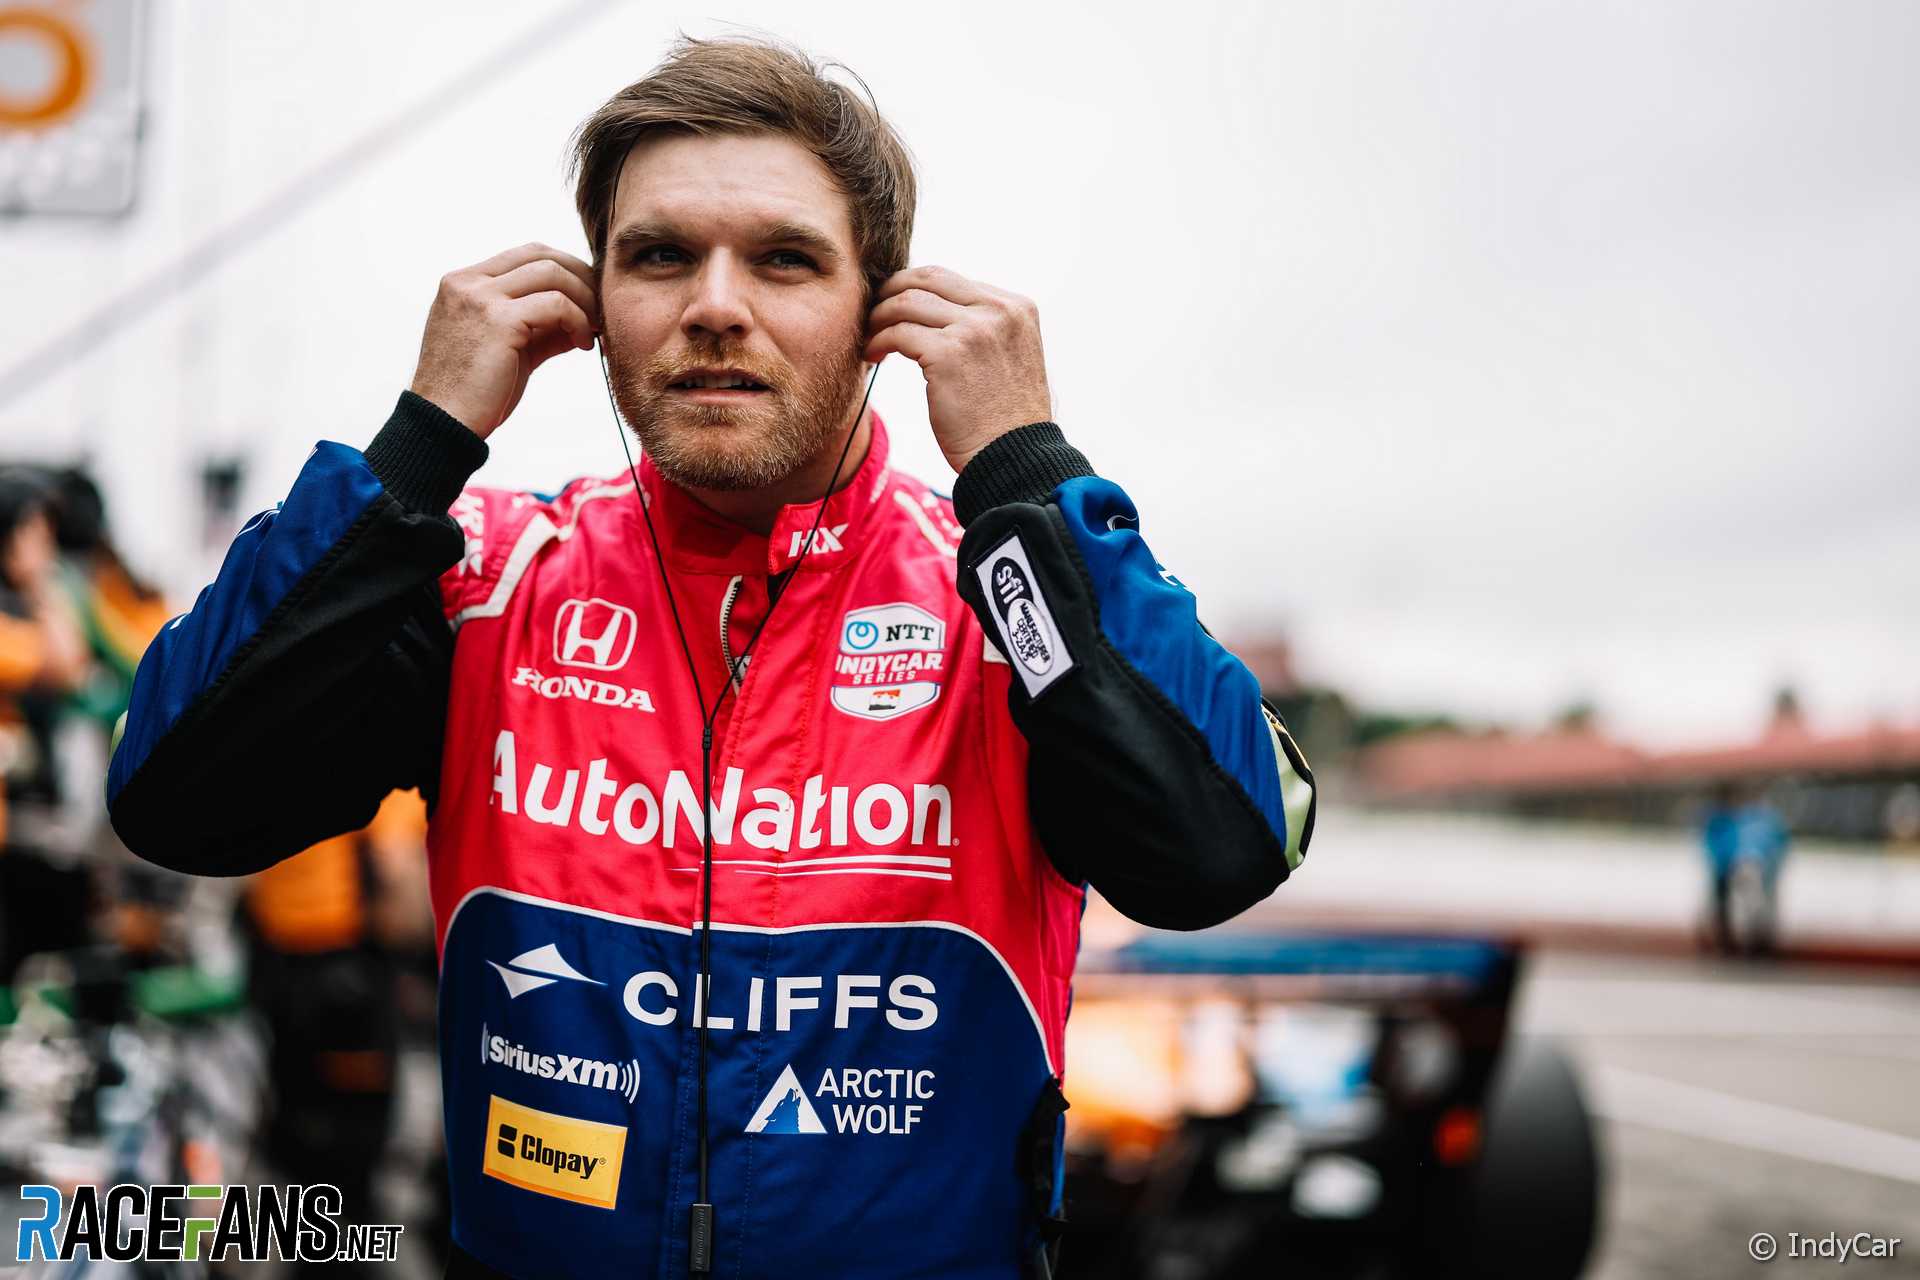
x,y
178,1223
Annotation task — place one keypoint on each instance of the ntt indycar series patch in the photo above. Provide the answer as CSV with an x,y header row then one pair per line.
x,y
889,661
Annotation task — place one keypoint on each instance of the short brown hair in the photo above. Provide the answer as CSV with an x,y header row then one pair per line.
x,y
751,85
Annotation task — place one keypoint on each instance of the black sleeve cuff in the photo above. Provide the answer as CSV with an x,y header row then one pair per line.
x,y
424,455
1024,465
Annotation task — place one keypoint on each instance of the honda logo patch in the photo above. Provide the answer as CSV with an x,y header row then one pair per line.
x,y
594,633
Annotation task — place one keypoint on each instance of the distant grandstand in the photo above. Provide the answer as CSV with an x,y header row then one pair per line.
x,y
1863,785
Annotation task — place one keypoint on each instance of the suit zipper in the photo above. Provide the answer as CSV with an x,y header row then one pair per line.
x,y
726,617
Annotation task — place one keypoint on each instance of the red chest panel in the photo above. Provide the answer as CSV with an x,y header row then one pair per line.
x,y
865,769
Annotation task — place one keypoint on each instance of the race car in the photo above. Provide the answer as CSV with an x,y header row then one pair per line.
x,y
1258,1104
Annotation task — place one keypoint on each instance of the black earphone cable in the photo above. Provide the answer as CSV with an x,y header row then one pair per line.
x,y
646,514
701,1226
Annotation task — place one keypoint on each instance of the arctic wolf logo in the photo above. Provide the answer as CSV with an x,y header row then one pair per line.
x,y
786,1109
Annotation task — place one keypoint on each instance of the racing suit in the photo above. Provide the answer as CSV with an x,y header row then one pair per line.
x,y
963,714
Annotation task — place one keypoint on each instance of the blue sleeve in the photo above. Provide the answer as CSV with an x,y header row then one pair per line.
x,y
269,557
1158,774
309,679
1152,621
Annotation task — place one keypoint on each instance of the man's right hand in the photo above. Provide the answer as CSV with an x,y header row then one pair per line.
x,y
494,323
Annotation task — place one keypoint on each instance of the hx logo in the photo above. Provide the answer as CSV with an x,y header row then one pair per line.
x,y
825,539
594,633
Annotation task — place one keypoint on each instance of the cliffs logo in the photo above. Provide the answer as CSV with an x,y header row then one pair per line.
x,y
889,662
1027,632
552,1155
595,633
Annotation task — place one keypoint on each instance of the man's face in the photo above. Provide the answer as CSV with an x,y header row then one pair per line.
x,y
733,307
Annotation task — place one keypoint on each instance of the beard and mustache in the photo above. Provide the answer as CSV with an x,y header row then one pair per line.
x,y
732,449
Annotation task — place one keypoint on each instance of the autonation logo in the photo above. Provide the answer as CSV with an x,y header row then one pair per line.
x,y
593,799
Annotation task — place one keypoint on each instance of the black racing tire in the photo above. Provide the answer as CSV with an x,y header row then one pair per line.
x,y
1536,1188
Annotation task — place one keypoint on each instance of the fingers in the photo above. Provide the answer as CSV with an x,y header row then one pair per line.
x,y
917,305
544,275
950,285
917,342
920,321
493,323
550,313
501,263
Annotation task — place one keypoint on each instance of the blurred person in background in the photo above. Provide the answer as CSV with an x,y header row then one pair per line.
x,y
45,894
120,613
1745,841
66,730
327,929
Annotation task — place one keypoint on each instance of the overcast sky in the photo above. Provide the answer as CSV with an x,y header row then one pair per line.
x,y
1500,354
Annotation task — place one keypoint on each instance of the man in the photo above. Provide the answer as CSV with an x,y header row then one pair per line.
x,y
45,889
323,955
962,714
1746,842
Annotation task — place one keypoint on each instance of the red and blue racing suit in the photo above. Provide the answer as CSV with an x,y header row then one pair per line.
x,y
963,713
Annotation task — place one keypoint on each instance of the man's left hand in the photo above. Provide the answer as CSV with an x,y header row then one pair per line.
x,y
978,346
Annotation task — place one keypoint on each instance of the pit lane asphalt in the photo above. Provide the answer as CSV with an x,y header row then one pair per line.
x,y
1734,1098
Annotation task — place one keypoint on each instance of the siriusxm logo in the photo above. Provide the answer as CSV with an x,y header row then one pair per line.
x,y
622,1078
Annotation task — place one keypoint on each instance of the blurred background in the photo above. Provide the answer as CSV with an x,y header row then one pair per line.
x,y
1524,390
